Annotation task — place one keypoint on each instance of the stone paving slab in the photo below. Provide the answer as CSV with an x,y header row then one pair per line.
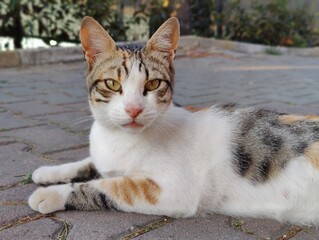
x,y
13,203
81,106
9,121
17,194
305,235
104,225
5,140
75,121
46,139
69,155
16,162
34,108
6,98
262,80
13,213
42,110
216,227
41,229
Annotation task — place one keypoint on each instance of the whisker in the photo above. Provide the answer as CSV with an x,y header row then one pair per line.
x,y
79,122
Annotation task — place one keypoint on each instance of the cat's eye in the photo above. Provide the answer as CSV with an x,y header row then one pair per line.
x,y
152,85
113,85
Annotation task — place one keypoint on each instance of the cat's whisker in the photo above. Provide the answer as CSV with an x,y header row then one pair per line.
x,y
80,122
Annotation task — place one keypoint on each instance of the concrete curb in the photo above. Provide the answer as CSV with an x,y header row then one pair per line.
x,y
68,54
39,56
207,43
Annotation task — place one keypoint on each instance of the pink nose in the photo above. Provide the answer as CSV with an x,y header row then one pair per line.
x,y
133,112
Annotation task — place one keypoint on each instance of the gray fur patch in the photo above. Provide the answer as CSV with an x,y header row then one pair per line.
x,y
89,172
85,197
264,145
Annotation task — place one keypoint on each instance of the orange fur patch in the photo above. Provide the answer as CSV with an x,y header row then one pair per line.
x,y
288,119
195,109
312,153
129,190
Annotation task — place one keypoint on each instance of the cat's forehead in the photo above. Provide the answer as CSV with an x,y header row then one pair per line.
x,y
130,47
120,63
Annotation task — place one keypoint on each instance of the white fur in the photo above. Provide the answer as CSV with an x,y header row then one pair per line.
x,y
50,199
188,155
62,173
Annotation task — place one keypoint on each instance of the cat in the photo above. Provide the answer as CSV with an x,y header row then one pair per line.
x,y
149,156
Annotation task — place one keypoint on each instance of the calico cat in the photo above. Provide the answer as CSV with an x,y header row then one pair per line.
x,y
149,156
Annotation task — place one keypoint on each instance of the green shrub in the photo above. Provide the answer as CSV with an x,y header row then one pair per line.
x,y
56,19
47,19
271,22
201,17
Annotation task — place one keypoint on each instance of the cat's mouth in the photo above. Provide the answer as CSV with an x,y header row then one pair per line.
x,y
133,124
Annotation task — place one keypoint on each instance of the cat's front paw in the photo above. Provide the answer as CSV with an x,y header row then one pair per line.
x,y
50,199
49,175
43,175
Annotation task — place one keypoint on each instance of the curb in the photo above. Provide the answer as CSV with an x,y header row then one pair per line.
x,y
30,57
250,48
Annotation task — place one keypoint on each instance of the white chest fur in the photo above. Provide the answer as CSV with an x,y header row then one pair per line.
x,y
184,148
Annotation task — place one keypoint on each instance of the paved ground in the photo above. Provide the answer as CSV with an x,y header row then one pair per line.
x,y
44,120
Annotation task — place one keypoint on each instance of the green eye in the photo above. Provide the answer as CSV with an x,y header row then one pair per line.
x,y
113,85
152,84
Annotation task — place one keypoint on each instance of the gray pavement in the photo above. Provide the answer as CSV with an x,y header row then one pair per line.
x,y
44,120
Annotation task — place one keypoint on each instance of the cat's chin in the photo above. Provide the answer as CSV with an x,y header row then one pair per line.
x,y
133,125
133,128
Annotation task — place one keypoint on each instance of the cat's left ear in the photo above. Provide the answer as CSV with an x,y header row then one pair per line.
x,y
95,40
166,38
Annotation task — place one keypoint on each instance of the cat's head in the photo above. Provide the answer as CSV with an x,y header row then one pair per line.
x,y
129,87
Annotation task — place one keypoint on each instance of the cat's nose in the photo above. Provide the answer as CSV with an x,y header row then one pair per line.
x,y
133,112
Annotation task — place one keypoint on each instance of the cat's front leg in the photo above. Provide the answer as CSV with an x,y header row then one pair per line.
x,y
99,194
70,172
131,194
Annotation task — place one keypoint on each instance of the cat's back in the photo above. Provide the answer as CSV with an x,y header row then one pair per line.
x,y
265,142
273,168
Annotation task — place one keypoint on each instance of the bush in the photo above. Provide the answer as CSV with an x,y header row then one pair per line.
x,y
201,17
273,23
47,19
56,19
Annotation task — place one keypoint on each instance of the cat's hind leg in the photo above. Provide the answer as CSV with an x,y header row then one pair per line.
x,y
80,171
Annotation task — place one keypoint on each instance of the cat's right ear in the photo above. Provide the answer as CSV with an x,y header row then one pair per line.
x,y
95,40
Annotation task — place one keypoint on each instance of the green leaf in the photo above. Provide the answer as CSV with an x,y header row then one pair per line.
x,y
27,179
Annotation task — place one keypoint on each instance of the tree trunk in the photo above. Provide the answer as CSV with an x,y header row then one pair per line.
x,y
18,30
219,23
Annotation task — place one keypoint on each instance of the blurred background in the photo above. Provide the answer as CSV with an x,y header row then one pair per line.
x,y
49,23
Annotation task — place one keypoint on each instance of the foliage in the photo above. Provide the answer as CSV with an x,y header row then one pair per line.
x,y
56,19
201,19
106,13
38,18
274,22
155,11
27,179
272,51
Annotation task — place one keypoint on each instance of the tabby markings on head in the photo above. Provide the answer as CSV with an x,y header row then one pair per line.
x,y
155,60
